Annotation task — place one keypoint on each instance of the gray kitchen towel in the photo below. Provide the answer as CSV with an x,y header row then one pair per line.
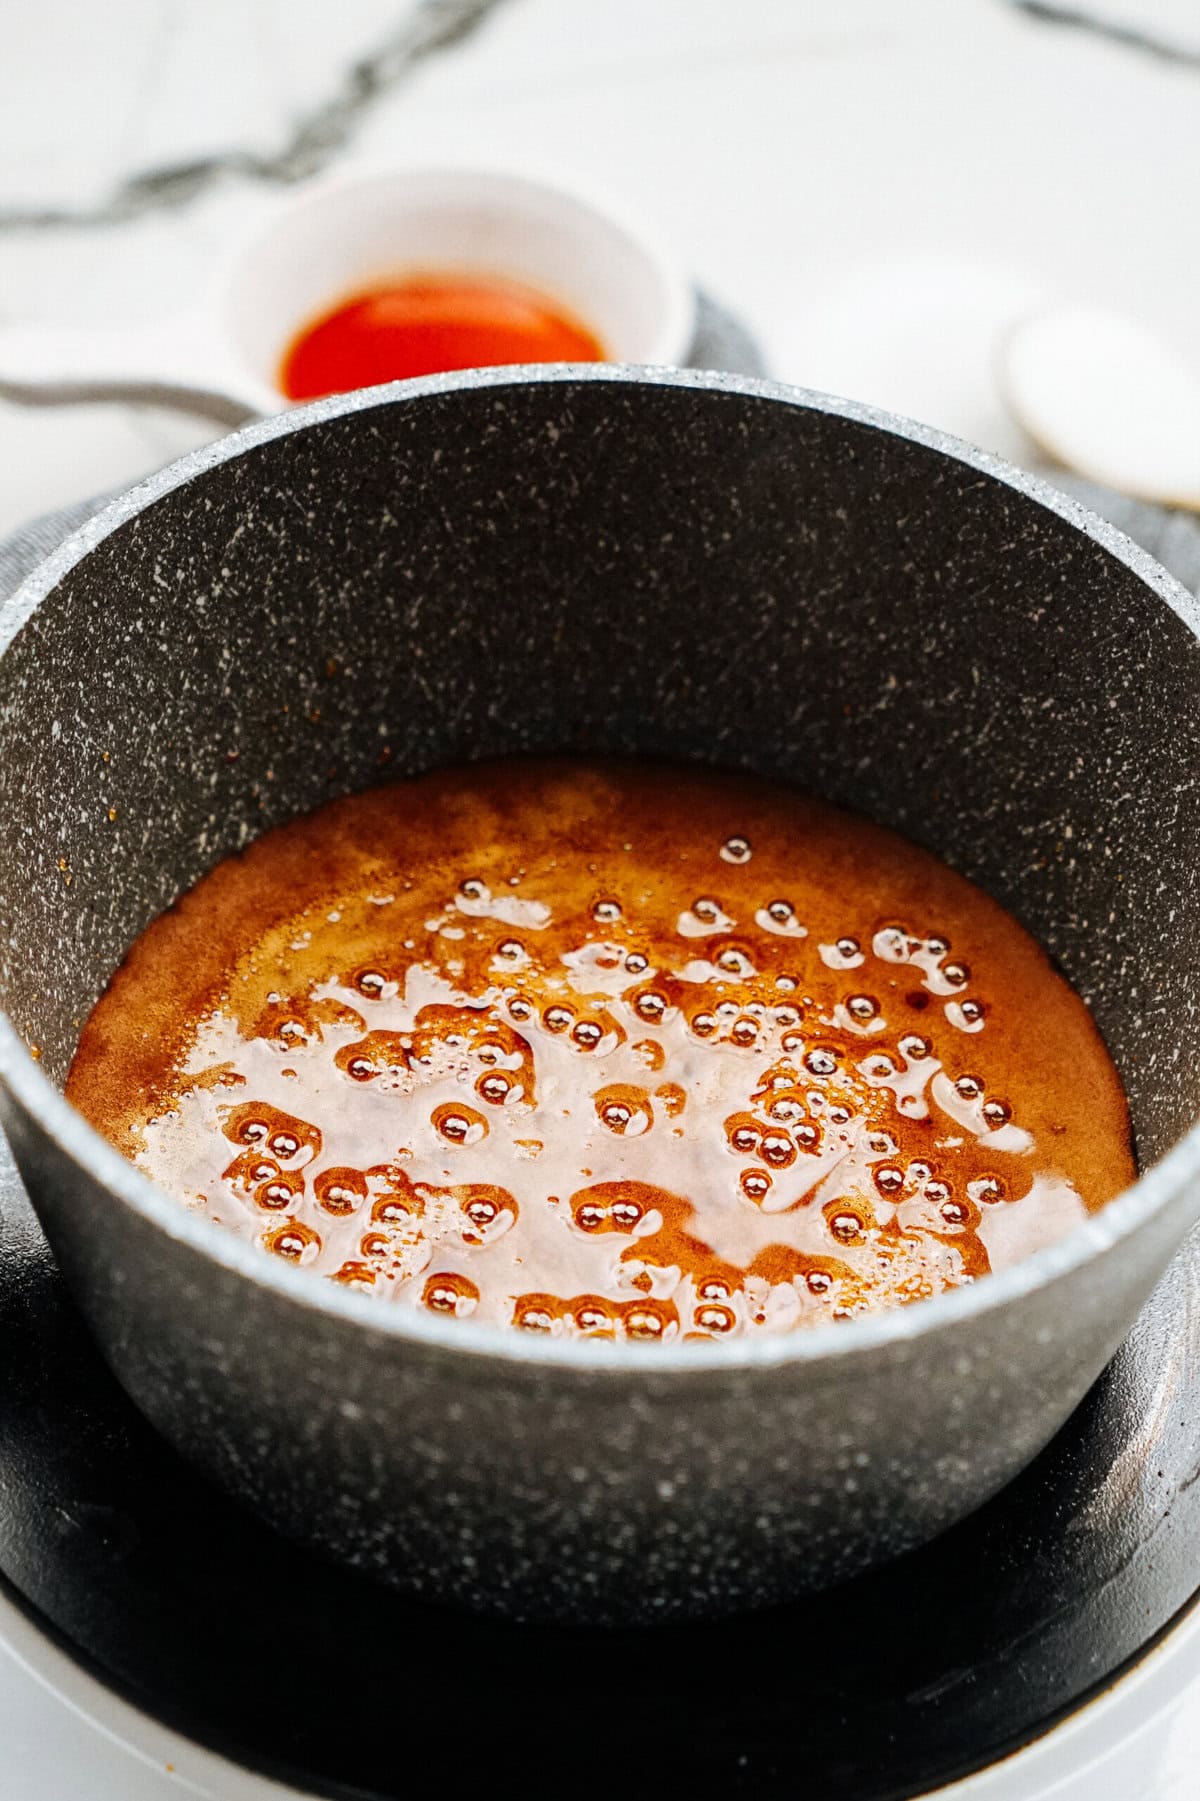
x,y
29,546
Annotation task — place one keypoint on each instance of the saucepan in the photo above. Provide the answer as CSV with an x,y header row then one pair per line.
x,y
626,561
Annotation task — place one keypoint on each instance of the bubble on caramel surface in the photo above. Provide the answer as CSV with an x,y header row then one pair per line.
x,y
622,1056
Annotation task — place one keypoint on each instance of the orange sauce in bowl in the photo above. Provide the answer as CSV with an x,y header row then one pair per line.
x,y
423,324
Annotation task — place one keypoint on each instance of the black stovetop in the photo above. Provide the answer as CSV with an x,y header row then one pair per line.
x,y
887,1687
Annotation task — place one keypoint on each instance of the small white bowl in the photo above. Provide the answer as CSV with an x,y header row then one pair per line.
x,y
341,236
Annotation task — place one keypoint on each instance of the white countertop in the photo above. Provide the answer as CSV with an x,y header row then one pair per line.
x,y
878,186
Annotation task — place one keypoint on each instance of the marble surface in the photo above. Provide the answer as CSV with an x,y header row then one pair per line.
x,y
879,189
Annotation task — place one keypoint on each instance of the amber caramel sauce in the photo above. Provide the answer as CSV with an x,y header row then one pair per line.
x,y
618,1052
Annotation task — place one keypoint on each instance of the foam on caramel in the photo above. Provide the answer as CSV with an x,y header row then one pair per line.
x,y
623,1052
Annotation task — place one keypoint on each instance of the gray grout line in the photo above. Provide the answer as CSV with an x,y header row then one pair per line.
x,y
1131,37
316,138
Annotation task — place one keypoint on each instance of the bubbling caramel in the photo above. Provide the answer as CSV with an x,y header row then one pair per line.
x,y
616,1053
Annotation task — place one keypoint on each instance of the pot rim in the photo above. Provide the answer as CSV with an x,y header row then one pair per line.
x,y
82,1144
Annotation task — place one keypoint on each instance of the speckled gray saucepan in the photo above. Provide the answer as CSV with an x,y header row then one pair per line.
x,y
677,564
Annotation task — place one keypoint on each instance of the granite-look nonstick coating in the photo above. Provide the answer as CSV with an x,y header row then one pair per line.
x,y
671,564
853,611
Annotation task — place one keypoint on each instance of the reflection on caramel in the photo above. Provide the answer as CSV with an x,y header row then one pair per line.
x,y
624,1053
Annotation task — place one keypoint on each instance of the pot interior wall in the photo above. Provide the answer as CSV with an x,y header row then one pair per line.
x,y
633,568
